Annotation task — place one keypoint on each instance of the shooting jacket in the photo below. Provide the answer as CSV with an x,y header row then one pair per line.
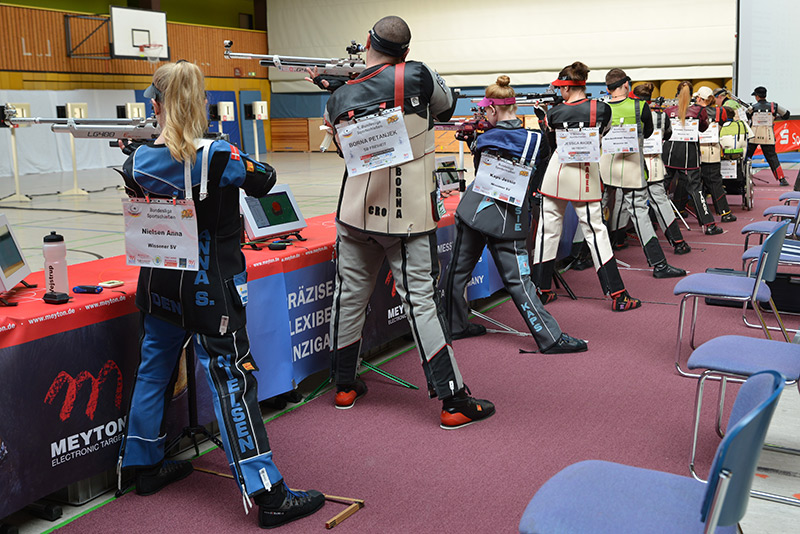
x,y
765,135
712,152
575,181
509,140
684,155
623,170
399,200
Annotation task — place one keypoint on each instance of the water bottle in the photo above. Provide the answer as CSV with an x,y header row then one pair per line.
x,y
55,263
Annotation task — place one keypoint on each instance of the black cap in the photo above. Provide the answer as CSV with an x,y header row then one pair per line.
x,y
53,237
153,92
760,91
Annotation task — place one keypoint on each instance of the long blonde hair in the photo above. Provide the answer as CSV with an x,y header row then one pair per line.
x,y
684,99
182,87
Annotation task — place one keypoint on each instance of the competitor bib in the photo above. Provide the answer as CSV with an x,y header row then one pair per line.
x,y
161,233
502,179
622,139
654,143
762,118
375,142
711,135
688,132
578,145
728,169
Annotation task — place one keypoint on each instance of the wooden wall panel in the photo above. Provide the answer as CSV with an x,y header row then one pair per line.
x,y
34,40
289,135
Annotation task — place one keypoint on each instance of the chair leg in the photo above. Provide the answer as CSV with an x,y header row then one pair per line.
x,y
679,340
721,406
760,316
698,404
780,321
694,321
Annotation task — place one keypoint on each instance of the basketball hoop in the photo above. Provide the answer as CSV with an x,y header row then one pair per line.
x,y
151,51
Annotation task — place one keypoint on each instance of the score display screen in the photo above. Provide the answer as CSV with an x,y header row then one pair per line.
x,y
10,257
272,210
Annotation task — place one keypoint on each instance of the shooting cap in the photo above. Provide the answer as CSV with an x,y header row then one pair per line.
x,y
153,92
720,91
497,102
704,92
387,47
760,91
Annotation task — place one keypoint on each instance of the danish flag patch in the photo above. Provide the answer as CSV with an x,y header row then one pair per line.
x,y
235,153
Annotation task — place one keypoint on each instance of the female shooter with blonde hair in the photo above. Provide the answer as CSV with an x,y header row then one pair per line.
x,y
502,223
206,300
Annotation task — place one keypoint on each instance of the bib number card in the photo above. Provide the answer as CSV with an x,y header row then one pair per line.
x,y
502,179
654,143
161,233
762,118
728,169
622,139
578,145
711,135
375,142
688,132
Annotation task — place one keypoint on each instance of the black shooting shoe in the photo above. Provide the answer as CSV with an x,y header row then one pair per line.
x,y
728,217
461,410
152,480
713,229
665,270
280,505
565,345
682,247
473,330
783,181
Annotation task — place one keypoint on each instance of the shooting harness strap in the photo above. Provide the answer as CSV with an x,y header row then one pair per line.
x,y
399,86
205,144
592,112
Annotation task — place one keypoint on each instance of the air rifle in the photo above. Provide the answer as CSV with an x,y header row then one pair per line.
x,y
140,129
351,65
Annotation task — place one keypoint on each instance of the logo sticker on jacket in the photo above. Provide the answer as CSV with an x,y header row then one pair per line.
x,y
235,153
249,166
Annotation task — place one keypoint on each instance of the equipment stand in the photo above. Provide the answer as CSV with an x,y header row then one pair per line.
x,y
255,138
192,429
75,189
505,328
5,302
17,196
317,391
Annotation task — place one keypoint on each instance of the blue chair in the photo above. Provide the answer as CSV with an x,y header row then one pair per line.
x,y
607,498
762,228
745,290
735,358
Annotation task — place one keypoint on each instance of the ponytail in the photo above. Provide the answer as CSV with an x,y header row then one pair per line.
x,y
684,98
184,99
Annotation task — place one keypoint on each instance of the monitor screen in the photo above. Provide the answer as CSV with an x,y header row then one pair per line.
x,y
13,267
272,215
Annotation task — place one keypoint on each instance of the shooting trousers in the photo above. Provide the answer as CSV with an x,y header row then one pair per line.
x,y
511,259
229,368
414,265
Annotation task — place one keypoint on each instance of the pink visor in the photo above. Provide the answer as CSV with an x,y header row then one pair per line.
x,y
567,83
497,102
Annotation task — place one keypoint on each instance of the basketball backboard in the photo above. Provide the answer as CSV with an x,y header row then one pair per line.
x,y
132,28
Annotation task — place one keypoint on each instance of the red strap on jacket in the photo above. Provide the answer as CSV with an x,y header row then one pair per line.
x,y
399,85
716,118
592,112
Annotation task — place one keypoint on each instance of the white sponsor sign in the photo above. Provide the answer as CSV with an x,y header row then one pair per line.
x,y
728,169
711,135
762,118
578,145
502,179
161,233
375,142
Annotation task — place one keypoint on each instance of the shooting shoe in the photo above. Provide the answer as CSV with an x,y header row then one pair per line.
x,y
152,480
682,247
280,505
473,330
461,410
547,296
783,181
346,395
713,229
728,217
665,270
565,345
621,301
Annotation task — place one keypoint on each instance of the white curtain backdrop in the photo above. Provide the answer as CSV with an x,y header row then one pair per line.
x,y
470,42
39,150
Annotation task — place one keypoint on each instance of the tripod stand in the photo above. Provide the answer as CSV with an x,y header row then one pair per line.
x,y
192,430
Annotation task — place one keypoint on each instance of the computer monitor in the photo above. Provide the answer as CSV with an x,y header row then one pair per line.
x,y
13,267
276,214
